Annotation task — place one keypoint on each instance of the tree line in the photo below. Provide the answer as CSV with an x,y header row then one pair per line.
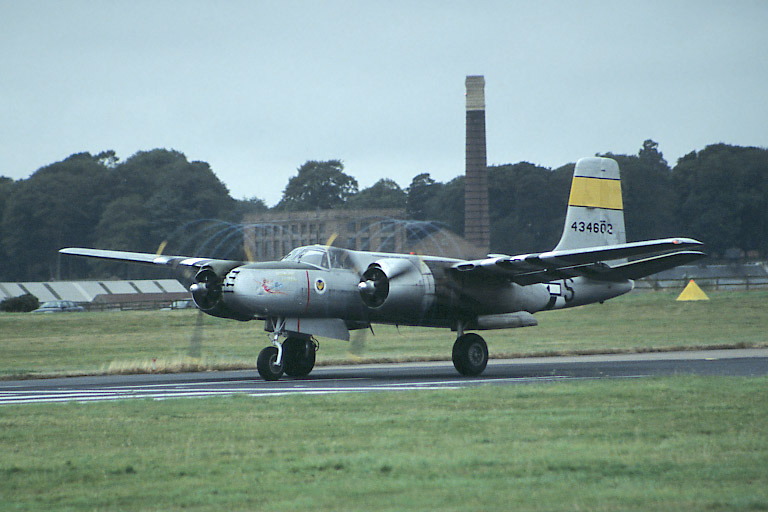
x,y
718,195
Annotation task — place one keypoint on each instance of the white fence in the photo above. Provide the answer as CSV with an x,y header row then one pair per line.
x,y
711,277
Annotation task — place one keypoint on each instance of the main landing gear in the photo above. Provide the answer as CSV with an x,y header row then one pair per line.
x,y
295,357
470,354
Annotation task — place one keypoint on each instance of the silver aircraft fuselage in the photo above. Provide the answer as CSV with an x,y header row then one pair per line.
x,y
425,292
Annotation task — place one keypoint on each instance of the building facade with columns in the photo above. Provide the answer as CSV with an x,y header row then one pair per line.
x,y
271,235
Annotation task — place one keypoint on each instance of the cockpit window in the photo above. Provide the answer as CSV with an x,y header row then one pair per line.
x,y
319,258
293,255
312,255
326,257
340,258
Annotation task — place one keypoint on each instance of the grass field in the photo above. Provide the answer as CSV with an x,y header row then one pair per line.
x,y
673,443
88,343
677,443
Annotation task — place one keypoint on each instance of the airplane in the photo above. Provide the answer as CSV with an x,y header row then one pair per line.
x,y
327,291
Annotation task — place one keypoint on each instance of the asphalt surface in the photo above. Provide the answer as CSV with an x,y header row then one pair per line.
x,y
383,378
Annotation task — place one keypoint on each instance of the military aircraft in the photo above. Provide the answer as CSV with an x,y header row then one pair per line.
x,y
327,291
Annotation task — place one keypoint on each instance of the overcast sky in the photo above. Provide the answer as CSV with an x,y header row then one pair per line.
x,y
256,88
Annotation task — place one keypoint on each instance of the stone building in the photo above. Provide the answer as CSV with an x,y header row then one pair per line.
x,y
272,235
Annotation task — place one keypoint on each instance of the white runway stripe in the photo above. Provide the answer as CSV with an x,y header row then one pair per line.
x,y
252,389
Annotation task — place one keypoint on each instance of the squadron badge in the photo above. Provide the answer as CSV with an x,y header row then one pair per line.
x,y
320,286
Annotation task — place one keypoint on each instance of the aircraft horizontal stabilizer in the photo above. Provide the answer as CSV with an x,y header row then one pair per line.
x,y
645,267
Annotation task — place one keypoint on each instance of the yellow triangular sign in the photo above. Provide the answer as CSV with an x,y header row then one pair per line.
x,y
692,292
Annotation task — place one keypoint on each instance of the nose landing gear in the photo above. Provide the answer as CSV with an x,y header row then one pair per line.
x,y
298,356
295,357
268,366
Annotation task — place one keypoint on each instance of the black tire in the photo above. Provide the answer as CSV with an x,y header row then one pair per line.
x,y
298,356
470,355
266,364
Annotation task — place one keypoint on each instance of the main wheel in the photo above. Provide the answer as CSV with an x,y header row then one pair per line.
x,y
266,364
298,356
470,354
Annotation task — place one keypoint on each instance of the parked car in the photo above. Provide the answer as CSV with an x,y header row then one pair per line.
x,y
58,306
180,304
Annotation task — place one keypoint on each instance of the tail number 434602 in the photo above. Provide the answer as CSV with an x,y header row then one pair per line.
x,y
592,227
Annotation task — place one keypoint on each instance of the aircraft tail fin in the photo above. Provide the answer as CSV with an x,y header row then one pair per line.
x,y
595,214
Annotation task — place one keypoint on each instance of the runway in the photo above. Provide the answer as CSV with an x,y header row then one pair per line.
x,y
385,378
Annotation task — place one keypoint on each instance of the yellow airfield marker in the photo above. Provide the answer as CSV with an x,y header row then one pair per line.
x,y
692,292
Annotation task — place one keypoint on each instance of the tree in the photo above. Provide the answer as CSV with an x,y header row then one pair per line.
x,y
651,156
6,185
647,193
318,186
97,201
527,207
722,197
108,158
58,205
6,189
447,205
385,193
421,190
251,205
125,224
163,192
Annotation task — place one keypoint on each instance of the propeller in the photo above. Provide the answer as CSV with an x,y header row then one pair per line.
x,y
374,287
206,290
200,287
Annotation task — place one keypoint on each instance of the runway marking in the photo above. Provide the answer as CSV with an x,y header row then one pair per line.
x,y
335,380
197,390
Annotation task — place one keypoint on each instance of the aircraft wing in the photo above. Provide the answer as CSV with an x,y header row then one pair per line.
x,y
588,262
140,257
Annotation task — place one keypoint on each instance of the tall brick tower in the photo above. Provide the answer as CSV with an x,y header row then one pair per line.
x,y
476,219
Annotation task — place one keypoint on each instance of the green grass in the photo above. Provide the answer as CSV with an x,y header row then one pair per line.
x,y
677,443
131,341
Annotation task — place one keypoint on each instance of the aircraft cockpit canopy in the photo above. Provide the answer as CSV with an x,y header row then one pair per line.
x,y
320,256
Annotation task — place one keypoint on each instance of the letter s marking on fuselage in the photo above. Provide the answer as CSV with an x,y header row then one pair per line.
x,y
569,294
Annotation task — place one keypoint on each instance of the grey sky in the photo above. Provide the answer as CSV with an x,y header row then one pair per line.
x,y
257,88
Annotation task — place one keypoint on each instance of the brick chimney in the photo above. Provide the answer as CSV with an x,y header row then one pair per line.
x,y
476,217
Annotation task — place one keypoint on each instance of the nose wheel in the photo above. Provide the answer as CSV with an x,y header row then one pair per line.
x,y
267,364
295,357
298,356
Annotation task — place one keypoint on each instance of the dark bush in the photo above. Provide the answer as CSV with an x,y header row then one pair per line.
x,y
20,304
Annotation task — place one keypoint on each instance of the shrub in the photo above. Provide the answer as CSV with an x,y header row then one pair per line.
x,y
20,304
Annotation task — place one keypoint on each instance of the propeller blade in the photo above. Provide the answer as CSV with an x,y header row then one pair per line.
x,y
196,341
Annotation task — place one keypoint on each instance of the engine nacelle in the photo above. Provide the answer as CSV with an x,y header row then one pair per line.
x,y
207,293
394,285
